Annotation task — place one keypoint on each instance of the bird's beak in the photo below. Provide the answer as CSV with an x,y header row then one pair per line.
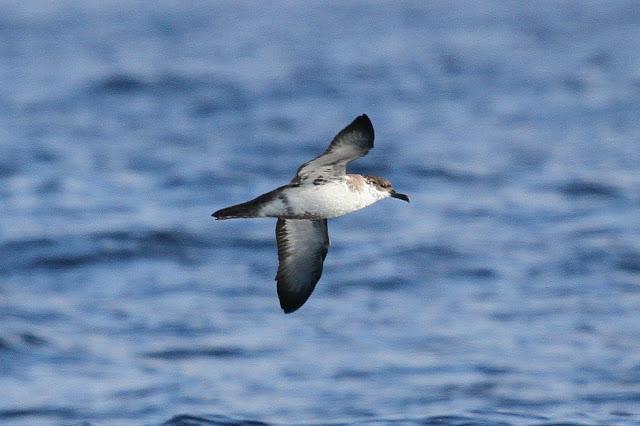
x,y
399,196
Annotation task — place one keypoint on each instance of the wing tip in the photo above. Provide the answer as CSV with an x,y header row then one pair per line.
x,y
290,301
288,311
291,304
363,123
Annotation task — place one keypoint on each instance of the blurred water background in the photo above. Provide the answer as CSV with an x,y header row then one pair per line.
x,y
507,292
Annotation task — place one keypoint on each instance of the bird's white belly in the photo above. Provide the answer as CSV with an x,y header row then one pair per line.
x,y
328,200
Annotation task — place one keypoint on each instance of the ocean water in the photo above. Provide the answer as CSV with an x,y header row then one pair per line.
x,y
506,292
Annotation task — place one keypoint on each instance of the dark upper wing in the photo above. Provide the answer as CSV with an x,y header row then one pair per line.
x,y
302,247
354,141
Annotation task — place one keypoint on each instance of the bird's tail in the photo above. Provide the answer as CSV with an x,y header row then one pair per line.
x,y
237,211
253,208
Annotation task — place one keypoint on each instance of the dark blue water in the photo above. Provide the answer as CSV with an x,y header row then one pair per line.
x,y
507,292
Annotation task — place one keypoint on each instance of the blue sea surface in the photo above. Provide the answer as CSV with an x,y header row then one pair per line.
x,y
507,292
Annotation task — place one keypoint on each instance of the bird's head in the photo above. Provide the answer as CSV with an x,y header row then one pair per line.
x,y
384,186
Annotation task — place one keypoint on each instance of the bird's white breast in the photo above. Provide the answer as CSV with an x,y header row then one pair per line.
x,y
330,199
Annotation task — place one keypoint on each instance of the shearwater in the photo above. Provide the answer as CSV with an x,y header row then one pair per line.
x,y
321,189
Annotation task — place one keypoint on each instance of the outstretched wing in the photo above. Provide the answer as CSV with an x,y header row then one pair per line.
x,y
354,141
302,247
